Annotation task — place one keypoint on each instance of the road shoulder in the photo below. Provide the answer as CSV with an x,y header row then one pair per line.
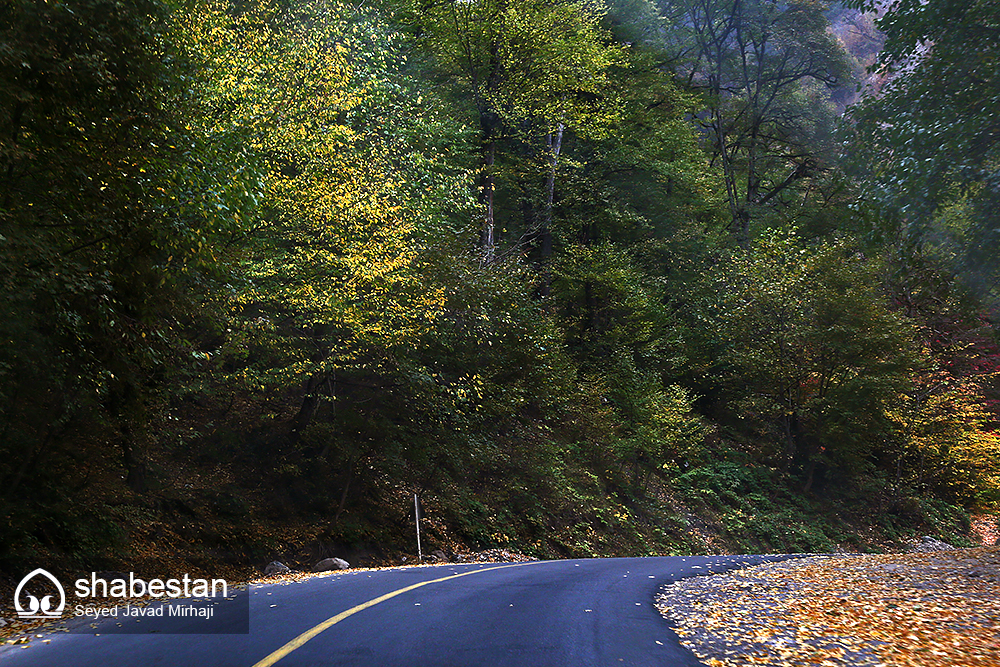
x,y
920,609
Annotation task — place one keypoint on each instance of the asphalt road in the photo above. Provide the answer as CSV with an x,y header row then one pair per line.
x,y
594,612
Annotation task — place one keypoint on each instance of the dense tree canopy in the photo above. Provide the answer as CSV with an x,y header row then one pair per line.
x,y
758,64
932,136
551,261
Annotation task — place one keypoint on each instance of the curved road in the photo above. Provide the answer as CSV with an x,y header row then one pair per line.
x,y
548,613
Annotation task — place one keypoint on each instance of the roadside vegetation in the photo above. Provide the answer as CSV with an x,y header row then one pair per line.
x,y
631,277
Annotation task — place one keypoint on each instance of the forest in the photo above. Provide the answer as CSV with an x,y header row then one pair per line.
x,y
589,277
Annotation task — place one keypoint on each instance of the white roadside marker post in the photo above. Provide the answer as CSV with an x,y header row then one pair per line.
x,y
416,516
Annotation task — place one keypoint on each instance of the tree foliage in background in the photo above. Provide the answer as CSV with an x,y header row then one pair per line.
x,y
111,208
546,262
532,71
331,293
925,152
761,66
105,217
815,358
931,137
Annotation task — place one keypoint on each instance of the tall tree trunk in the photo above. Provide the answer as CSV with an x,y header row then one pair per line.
x,y
348,478
313,383
126,408
309,404
489,123
26,464
810,476
8,190
591,298
740,217
488,239
791,427
555,147
135,466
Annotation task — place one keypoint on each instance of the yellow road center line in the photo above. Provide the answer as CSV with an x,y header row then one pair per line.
x,y
333,620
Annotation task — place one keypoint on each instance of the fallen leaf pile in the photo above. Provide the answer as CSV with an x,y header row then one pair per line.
x,y
488,556
918,609
494,556
986,528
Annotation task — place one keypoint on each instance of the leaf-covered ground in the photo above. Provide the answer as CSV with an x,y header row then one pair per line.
x,y
986,529
936,608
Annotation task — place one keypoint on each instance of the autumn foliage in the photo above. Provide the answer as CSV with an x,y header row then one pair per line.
x,y
591,277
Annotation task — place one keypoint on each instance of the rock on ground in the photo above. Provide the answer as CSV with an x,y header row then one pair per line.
x,y
329,564
276,567
928,543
